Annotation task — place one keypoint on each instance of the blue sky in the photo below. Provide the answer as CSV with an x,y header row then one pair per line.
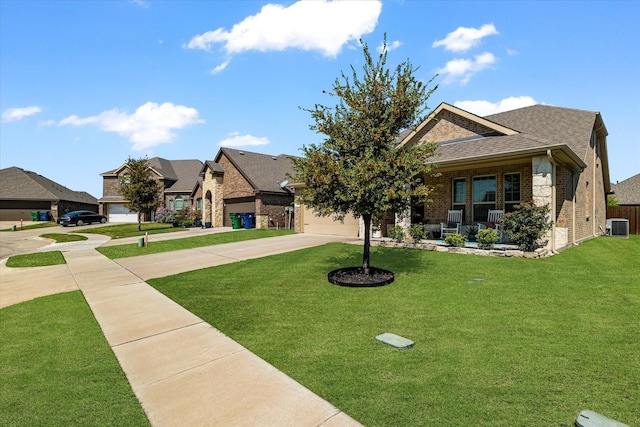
x,y
86,84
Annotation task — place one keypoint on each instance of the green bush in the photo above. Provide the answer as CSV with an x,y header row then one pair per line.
x,y
397,233
166,216
486,238
455,239
417,232
527,225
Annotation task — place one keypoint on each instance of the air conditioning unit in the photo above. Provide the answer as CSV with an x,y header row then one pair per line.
x,y
618,227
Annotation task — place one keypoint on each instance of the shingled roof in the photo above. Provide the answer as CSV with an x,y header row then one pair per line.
x,y
263,171
180,176
627,192
20,184
556,125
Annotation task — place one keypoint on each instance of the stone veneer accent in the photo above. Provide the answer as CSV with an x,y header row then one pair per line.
x,y
212,206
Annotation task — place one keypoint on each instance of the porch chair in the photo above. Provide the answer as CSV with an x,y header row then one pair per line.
x,y
494,216
454,221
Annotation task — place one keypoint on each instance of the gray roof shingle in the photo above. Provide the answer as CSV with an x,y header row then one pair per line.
x,y
263,171
627,192
19,184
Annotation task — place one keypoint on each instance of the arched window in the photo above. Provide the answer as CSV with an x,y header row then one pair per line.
x,y
179,203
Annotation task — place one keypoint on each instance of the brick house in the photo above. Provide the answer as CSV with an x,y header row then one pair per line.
x,y
244,182
23,192
555,156
181,188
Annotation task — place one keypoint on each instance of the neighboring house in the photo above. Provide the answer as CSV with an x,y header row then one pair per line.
x,y
555,156
627,192
240,181
181,188
23,192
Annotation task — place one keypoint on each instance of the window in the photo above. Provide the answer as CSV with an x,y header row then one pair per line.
x,y
484,197
179,203
511,191
459,194
126,180
199,203
170,204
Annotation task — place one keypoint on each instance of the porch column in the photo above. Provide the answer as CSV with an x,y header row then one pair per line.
x,y
542,189
403,219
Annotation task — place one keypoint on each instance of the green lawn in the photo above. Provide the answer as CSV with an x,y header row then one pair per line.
x,y
37,259
58,370
64,237
44,224
130,250
532,344
121,231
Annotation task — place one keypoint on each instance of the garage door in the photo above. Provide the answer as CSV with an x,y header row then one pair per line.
x,y
237,207
118,213
315,224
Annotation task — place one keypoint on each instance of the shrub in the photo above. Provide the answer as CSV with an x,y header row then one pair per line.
x,y
486,238
397,233
527,225
166,216
417,232
472,232
455,239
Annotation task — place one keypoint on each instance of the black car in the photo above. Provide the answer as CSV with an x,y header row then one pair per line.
x,y
81,218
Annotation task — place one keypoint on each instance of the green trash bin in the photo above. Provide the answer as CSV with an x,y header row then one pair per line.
x,y
141,242
34,216
235,221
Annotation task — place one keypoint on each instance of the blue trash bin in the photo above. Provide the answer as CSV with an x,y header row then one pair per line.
x,y
44,216
248,221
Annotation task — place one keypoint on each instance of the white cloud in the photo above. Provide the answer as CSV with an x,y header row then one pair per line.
x,y
44,123
465,38
484,108
236,140
390,46
464,69
220,67
14,114
150,125
141,3
321,25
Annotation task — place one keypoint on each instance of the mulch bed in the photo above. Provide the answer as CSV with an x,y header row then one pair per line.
x,y
356,277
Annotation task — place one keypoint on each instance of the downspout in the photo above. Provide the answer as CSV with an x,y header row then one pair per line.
x,y
553,200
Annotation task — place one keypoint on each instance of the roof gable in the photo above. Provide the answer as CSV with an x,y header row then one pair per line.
x,y
448,123
263,172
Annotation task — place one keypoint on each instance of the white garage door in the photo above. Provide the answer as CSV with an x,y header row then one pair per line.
x,y
315,224
118,213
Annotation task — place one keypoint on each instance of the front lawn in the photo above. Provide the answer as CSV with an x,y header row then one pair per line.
x,y
121,231
37,259
130,250
58,370
499,341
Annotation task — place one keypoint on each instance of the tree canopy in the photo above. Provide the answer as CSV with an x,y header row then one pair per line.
x,y
140,191
359,169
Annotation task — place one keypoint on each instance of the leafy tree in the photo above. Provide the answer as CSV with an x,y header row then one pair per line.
x,y
612,200
527,225
140,191
359,168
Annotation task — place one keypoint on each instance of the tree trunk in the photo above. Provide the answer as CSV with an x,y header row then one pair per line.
x,y
367,243
139,221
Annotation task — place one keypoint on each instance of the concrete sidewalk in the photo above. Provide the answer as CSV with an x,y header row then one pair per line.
x,y
183,371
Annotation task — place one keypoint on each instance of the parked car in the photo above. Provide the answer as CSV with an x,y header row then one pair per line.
x,y
81,218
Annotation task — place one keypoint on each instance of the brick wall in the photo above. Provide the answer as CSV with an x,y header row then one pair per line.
x,y
235,185
448,126
436,212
